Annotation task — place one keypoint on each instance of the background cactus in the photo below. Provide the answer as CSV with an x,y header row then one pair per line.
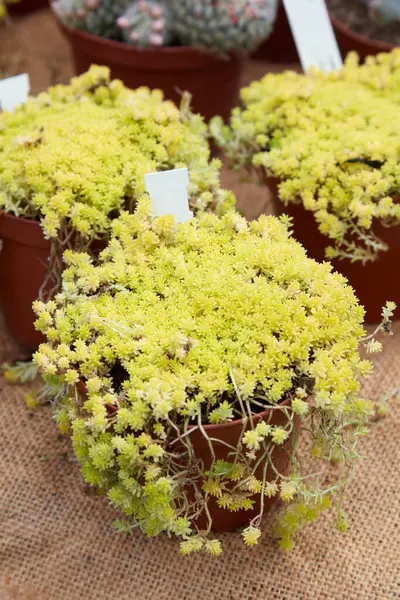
x,y
97,17
386,11
221,25
146,24
226,25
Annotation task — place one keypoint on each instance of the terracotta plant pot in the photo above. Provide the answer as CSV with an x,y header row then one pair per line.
x,y
349,41
23,263
27,6
213,82
225,520
280,46
375,282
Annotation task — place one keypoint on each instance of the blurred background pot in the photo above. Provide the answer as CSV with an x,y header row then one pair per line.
x,y
23,264
213,82
375,282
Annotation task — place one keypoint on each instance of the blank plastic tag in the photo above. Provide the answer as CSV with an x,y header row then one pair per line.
x,y
14,91
313,33
168,193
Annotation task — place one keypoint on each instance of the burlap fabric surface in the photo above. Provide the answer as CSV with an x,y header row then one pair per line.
x,y
57,541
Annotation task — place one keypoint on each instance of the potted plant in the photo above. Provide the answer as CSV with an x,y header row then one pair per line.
x,y
327,144
192,359
70,160
366,26
175,45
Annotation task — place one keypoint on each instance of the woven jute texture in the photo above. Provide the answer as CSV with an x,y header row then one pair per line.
x,y
57,541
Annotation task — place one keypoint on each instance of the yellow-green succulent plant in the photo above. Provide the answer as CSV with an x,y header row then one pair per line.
x,y
76,155
332,140
206,321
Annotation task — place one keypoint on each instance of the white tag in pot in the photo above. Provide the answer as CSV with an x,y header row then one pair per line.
x,y
313,34
168,193
14,91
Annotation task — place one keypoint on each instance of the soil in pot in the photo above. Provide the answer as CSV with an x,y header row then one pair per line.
x,y
375,282
213,82
355,30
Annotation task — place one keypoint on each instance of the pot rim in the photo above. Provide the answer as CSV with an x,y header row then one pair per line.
x,y
24,231
227,424
358,38
176,57
256,416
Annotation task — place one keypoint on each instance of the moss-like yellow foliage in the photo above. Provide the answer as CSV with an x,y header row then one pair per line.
x,y
333,142
76,155
198,315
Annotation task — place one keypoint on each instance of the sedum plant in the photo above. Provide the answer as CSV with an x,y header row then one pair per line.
x,y
222,26
75,156
205,322
332,142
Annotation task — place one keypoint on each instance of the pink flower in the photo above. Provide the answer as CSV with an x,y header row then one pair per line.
x,y
123,22
156,39
158,25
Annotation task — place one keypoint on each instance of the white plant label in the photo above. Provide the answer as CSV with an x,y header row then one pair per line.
x,y
313,34
168,191
14,91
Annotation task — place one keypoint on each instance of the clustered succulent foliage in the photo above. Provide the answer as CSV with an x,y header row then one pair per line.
x,y
332,141
76,155
386,11
221,25
180,326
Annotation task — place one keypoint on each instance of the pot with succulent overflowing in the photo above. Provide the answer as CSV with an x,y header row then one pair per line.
x,y
191,359
328,145
174,45
70,160
366,26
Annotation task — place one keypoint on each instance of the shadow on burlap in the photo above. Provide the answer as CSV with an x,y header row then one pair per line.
x,y
57,541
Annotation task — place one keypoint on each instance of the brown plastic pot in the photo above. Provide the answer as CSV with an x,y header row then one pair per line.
x,y
222,519
229,433
349,41
23,266
23,263
25,7
375,282
280,46
213,82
